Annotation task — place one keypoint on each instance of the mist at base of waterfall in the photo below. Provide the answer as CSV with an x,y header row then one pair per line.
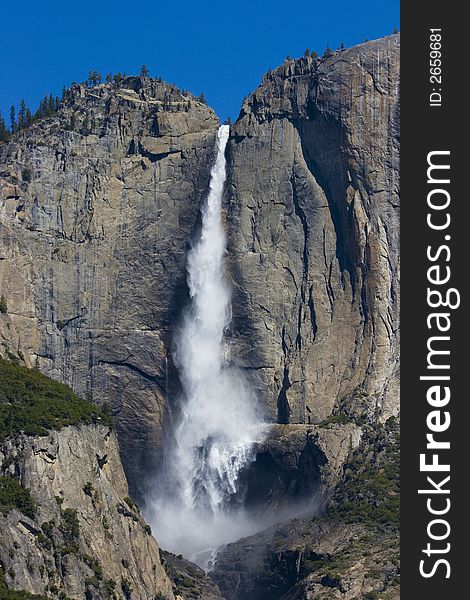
x,y
198,535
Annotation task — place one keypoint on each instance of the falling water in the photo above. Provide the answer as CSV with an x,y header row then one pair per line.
x,y
219,422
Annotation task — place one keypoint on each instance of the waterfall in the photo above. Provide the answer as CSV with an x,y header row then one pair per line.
x,y
219,423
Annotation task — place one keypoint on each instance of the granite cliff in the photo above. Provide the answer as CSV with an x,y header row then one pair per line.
x,y
98,204
312,214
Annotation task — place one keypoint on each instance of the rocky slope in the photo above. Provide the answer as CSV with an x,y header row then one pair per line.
x,y
97,206
84,537
298,465
312,214
68,528
310,560
351,553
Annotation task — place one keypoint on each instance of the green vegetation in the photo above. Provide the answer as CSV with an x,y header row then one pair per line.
x,y
339,418
94,78
4,133
13,495
6,594
48,106
373,550
95,565
3,305
109,587
33,404
370,490
126,588
69,526
131,504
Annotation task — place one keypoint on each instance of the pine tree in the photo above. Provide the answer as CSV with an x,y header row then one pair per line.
x,y
94,78
328,51
314,54
341,46
12,119
109,78
144,72
202,98
307,52
22,115
28,118
4,133
395,30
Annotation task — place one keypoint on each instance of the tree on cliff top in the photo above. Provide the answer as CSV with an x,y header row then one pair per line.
x,y
4,133
144,72
94,78
12,119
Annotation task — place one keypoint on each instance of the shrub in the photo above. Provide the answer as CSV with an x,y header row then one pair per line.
x,y
339,418
131,504
3,305
13,495
109,587
69,525
6,594
33,404
47,528
126,588
95,565
370,490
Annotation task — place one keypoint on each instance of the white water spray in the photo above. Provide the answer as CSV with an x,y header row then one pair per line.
x,y
219,422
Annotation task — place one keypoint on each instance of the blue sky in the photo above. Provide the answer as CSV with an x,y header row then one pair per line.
x,y
219,48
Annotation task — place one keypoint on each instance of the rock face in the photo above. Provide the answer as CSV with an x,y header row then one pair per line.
x,y
97,207
312,215
297,467
350,552
189,581
307,560
86,538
